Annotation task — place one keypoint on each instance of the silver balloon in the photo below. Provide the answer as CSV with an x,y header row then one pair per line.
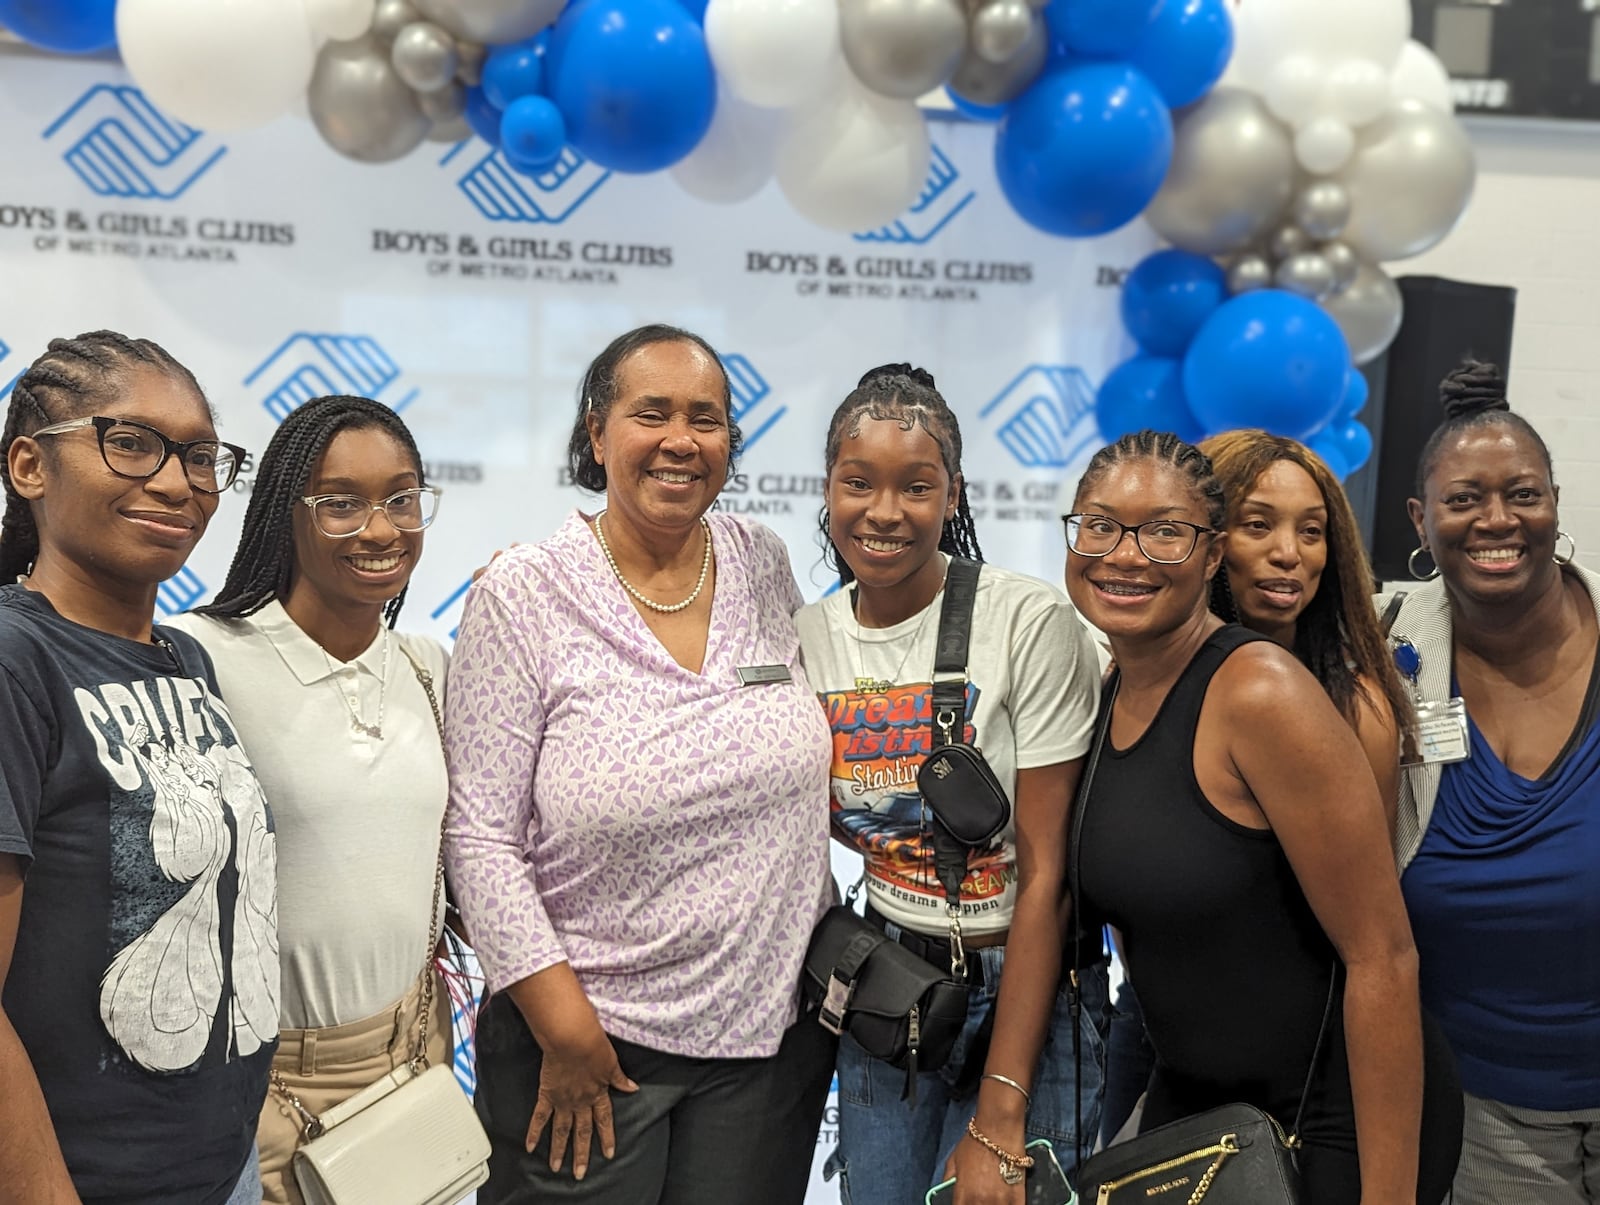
x,y
452,129
1322,209
492,21
903,48
469,62
361,106
1368,312
1000,29
1287,240
425,57
1249,272
1409,181
1344,262
1232,174
445,109
985,83
1305,273
391,16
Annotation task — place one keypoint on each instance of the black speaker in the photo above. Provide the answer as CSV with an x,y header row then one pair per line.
x,y
1445,321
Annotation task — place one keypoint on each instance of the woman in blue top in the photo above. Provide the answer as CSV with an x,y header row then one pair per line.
x,y
1500,850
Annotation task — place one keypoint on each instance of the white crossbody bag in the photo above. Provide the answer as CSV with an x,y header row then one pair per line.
x,y
412,1137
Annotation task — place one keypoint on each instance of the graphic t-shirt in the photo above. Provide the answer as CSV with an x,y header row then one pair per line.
x,y
1031,701
144,984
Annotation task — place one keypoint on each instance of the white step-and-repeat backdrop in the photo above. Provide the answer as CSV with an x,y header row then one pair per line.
x,y
470,299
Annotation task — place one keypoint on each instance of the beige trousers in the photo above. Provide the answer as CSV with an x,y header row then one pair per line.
x,y
326,1066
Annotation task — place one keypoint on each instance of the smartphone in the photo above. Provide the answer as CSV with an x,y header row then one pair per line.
x,y
1046,1183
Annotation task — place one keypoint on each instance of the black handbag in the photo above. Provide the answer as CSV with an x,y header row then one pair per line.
x,y
1234,1154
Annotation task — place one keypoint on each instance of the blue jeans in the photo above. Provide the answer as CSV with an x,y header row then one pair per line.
x,y
248,1190
891,1152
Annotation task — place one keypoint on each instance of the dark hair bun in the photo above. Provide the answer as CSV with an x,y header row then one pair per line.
x,y
920,375
1473,388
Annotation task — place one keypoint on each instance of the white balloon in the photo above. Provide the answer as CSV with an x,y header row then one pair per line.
x,y
1267,31
855,161
341,20
773,52
1357,91
218,64
1420,75
1324,145
1293,87
735,159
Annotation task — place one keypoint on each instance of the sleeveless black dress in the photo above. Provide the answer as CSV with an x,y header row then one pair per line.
x,y
1232,968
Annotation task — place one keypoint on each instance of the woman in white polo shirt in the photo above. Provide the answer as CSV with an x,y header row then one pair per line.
x,y
332,708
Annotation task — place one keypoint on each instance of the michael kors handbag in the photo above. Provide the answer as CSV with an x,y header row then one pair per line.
x,y
411,1138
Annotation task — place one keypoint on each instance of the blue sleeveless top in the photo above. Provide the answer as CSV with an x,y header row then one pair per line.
x,y
1504,896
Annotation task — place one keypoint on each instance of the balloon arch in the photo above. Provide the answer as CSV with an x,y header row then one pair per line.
x,y
1285,148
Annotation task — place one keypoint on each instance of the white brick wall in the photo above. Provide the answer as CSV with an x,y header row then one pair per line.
x,y
1534,224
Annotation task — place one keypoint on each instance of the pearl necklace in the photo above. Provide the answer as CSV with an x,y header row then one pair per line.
x,y
357,724
663,608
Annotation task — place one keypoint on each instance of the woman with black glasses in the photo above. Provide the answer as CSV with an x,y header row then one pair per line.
x,y
332,705
138,942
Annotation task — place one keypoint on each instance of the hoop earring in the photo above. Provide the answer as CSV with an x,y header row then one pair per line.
x,y
1411,565
1565,560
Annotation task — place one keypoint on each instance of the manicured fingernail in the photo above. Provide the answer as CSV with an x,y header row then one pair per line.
x,y
578,1172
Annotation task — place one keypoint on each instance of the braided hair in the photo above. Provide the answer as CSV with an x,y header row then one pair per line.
x,y
908,396
66,382
263,566
1474,395
1337,636
1163,447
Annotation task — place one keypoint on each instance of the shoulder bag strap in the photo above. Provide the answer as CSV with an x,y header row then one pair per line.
x,y
947,716
1080,804
426,977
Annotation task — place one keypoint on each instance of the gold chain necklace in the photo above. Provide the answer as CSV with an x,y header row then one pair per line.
x,y
663,608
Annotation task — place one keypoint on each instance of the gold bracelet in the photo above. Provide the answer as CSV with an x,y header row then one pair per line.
x,y
1012,1167
1010,1083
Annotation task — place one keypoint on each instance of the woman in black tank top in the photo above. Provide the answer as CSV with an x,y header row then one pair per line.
x,y
1234,835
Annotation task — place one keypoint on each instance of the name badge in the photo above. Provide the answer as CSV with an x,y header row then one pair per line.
x,y
1441,733
763,675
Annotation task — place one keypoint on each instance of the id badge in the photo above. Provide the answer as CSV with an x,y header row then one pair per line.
x,y
1441,733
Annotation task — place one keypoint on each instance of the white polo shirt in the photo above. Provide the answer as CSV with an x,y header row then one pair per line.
x,y
357,817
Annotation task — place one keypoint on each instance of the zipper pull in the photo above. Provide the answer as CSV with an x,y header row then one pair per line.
x,y
913,1041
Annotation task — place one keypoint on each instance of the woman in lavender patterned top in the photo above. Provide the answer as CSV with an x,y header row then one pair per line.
x,y
638,840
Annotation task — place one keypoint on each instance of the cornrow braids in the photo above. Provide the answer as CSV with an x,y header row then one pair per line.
x,y
1337,636
65,382
906,395
1163,447
1474,395
263,566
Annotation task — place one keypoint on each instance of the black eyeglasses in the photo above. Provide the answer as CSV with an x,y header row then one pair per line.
x,y
138,451
1164,541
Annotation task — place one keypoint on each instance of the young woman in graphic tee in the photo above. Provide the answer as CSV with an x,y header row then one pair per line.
x,y
896,506
138,914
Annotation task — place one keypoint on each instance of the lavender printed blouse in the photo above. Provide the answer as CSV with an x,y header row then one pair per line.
x,y
664,832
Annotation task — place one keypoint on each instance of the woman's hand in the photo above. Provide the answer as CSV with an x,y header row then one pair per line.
x,y
977,1169
575,1101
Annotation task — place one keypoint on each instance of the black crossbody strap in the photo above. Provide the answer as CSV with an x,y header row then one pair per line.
x,y
1080,804
947,719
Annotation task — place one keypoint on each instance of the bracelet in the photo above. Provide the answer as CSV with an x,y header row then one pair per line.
x,y
1012,1166
1010,1083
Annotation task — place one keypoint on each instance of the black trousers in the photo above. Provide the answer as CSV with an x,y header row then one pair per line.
x,y
730,1131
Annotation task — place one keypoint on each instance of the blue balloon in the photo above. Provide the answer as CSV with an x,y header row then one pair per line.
x,y
1186,49
1084,149
1168,296
514,71
1268,359
65,26
696,9
1101,29
1326,446
1354,442
482,116
634,81
1143,393
532,134
1356,390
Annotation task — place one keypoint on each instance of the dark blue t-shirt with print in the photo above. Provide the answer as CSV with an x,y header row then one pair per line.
x,y
144,984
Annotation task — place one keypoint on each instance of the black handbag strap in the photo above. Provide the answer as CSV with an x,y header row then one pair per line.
x,y
947,717
1079,806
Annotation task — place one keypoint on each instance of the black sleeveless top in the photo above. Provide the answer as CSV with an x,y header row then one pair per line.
x,y
1231,965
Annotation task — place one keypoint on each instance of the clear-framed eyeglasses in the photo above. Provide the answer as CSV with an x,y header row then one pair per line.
x,y
1164,541
138,451
340,516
